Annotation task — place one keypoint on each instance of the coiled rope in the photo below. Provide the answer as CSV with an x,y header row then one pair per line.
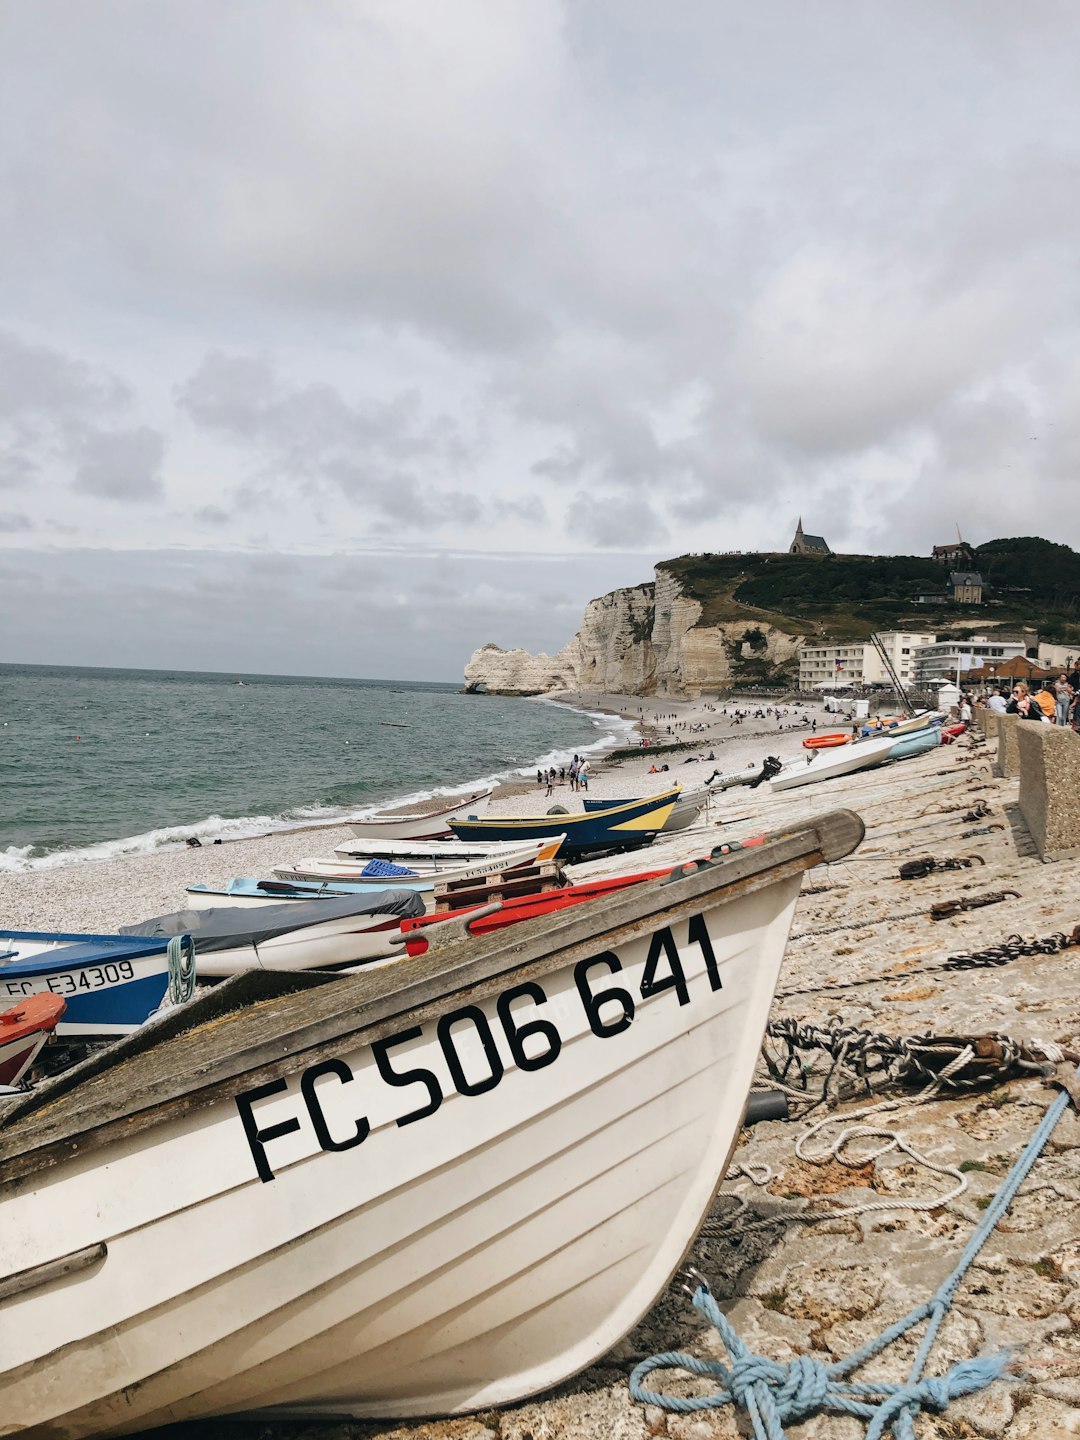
x,y
772,1393
181,960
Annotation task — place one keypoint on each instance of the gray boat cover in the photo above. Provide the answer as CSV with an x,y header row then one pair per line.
x,y
225,929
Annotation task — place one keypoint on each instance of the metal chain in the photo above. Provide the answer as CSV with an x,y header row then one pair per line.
x,y
1011,949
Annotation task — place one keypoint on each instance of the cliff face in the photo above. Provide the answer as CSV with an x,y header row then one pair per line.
x,y
641,641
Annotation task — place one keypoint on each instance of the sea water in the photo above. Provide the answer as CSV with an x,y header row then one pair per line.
x,y
96,763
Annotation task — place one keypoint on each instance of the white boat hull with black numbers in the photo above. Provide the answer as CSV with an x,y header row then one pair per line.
x,y
430,1189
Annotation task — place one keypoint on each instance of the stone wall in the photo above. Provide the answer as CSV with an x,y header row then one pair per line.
x,y
1007,763
1049,768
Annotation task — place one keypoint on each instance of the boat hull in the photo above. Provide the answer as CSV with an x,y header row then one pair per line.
x,y
111,984
461,1220
429,826
428,872
616,827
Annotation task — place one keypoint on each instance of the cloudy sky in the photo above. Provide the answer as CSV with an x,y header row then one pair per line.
x,y
341,338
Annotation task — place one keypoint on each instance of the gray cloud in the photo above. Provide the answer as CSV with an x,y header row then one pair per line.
x,y
13,521
599,281
121,464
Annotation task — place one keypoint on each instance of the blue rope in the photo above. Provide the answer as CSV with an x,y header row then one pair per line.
x,y
773,1394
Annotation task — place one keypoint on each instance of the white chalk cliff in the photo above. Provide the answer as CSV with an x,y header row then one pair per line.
x,y
640,641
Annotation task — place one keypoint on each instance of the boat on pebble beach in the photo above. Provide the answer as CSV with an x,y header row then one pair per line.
x,y
445,867
24,1030
616,827
112,983
427,826
421,1189
319,934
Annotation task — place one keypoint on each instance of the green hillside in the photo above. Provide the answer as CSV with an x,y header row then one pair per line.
x,y
1029,581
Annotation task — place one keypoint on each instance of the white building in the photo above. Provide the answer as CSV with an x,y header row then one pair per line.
x,y
822,667
943,661
1058,657
900,646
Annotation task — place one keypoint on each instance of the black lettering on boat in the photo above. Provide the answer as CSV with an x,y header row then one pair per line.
x,y
381,1050
517,1034
256,1136
593,1000
699,935
663,943
308,1082
473,1015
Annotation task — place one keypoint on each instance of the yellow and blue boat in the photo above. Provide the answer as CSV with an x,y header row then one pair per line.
x,y
615,827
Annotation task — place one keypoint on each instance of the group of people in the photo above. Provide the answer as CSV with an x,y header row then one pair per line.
x,y
1055,702
579,775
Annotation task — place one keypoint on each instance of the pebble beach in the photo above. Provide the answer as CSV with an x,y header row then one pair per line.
x,y
812,1254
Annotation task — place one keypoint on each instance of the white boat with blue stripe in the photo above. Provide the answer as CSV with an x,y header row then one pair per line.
x,y
112,983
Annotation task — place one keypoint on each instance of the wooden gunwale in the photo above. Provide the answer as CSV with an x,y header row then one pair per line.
x,y
124,1092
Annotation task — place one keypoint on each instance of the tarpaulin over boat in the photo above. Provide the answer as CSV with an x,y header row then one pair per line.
x,y
225,929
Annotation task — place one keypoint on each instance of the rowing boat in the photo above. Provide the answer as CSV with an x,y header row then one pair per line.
x,y
428,826
427,1188
24,1030
319,934
379,873
618,827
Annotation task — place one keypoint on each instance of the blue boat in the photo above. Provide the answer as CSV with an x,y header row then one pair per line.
x,y
242,889
112,983
916,743
613,827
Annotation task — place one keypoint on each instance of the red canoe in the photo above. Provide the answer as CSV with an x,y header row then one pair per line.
x,y
23,1031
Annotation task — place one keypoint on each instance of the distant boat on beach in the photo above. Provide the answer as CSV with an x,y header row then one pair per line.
x,y
427,826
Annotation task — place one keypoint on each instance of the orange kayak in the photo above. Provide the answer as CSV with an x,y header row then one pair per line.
x,y
825,742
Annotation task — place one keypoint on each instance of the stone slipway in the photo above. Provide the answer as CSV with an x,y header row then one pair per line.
x,y
792,1287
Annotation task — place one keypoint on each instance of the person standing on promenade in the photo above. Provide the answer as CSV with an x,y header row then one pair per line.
x,y
996,702
1044,699
1062,699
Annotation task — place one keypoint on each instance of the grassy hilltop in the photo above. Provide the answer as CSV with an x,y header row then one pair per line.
x,y
1027,581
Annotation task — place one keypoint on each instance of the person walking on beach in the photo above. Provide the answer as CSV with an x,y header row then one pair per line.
x,y
550,783
583,775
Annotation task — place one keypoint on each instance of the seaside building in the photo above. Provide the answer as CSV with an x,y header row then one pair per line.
x,y
956,556
967,587
944,659
804,544
860,664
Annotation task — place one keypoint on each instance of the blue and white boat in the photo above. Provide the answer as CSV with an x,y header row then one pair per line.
x,y
247,890
112,983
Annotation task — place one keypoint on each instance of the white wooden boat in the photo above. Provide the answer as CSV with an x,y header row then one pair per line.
x,y
438,852
828,764
368,872
430,1188
316,934
428,826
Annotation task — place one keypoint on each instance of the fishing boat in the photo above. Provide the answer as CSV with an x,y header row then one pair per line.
x,y
428,826
480,919
24,1030
426,1188
317,935
437,853
618,827
112,984
916,742
247,891
828,764
686,810
377,871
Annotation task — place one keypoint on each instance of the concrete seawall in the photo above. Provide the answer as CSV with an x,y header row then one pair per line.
x,y
1048,763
